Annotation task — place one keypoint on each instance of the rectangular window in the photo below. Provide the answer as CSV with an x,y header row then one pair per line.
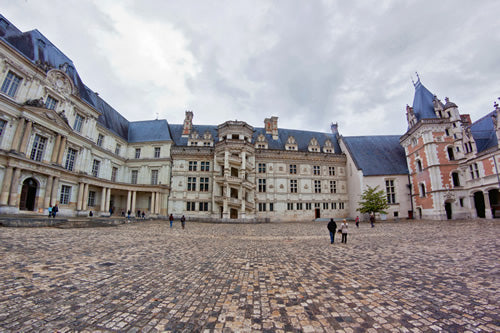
x,y
137,152
331,171
100,140
461,201
191,184
2,126
390,191
157,152
316,205
293,185
299,205
10,84
262,185
77,126
293,169
333,186
133,178
118,147
38,148
474,171
154,177
191,206
65,195
316,170
203,207
205,166
341,205
289,206
262,206
51,103
262,168
325,205
114,173
317,186
204,184
91,199
95,168
193,165
308,206
70,159
271,206
334,205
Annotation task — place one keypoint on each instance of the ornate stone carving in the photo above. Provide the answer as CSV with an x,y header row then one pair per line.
x,y
60,82
35,102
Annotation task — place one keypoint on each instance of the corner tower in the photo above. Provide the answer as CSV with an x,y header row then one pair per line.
x,y
433,147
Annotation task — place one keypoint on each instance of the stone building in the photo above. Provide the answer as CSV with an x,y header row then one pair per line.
x,y
60,143
453,163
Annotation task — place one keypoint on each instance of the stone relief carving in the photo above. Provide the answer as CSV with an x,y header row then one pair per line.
x,y
60,82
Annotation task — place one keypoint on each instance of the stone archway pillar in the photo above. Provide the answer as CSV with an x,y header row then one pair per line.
x,y
48,191
14,187
487,206
7,182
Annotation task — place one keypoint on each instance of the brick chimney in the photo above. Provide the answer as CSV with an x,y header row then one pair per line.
x,y
188,124
271,126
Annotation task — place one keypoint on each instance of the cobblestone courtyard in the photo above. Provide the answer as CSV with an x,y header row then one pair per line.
x,y
406,276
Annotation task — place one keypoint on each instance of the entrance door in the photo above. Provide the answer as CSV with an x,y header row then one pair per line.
x,y
447,207
28,195
233,213
479,203
316,213
494,202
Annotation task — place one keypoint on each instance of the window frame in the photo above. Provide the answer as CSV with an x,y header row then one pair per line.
x,y
78,123
70,159
10,86
65,197
390,191
96,165
38,148
100,140
134,175
157,152
51,102
154,176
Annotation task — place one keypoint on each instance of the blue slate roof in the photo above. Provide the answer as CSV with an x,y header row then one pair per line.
x,y
302,138
148,130
484,133
176,133
423,105
377,155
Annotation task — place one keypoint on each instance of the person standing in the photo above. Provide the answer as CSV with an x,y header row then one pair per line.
x,y
357,221
372,220
50,211
332,227
54,211
344,228
183,221
171,219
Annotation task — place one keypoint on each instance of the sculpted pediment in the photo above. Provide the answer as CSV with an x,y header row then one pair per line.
x,y
52,116
60,82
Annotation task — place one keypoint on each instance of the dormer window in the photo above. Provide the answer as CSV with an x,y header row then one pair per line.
x,y
235,137
328,147
10,84
261,142
291,144
51,103
137,152
313,145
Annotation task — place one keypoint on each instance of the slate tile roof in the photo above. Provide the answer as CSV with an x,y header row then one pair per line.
x,y
423,105
377,155
484,133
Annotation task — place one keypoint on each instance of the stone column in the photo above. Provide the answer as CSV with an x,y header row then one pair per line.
x,y
48,191
158,202
14,187
153,203
103,199
79,201
62,148
17,134
129,201
55,188
108,198
26,136
7,181
85,199
472,210
55,149
487,206
134,195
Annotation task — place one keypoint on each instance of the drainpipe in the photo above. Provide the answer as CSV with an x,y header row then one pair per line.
x,y
411,196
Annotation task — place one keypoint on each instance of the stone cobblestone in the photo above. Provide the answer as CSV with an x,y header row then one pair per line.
x,y
417,276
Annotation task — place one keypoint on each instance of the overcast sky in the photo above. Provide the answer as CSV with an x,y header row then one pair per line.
x,y
310,63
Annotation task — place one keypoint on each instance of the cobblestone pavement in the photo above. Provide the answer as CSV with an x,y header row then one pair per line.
x,y
406,276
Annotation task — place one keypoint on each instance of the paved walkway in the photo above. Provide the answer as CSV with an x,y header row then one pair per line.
x,y
146,277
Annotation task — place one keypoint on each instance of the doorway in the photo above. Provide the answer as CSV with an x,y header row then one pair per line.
x,y
233,213
317,214
479,203
447,208
494,203
28,194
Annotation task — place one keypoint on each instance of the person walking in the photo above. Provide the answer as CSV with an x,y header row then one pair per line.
x,y
54,211
171,219
357,221
344,228
372,220
332,227
183,221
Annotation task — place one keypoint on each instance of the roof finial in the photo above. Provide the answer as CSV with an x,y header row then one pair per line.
x,y
418,77
156,115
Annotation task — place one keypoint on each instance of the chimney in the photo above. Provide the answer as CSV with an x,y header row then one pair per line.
x,y
466,121
334,128
271,126
188,124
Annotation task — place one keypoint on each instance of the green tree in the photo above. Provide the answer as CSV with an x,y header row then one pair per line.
x,y
373,200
